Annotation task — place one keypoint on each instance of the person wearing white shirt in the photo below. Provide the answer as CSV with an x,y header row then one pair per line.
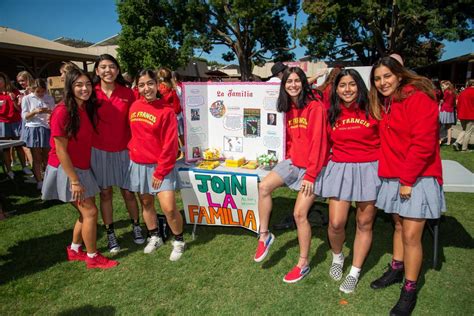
x,y
36,109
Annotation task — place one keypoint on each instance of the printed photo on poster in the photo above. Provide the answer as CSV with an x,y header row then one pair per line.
x,y
196,152
252,122
271,119
233,144
217,109
195,115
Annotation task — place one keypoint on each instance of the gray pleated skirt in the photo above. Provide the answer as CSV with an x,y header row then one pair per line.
x,y
109,168
426,201
351,181
36,137
293,176
56,185
447,118
140,177
180,124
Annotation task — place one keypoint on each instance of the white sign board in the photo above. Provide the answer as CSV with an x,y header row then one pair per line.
x,y
240,119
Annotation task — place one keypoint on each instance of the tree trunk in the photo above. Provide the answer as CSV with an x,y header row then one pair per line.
x,y
245,67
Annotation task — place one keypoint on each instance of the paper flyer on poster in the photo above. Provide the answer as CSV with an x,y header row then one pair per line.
x,y
238,118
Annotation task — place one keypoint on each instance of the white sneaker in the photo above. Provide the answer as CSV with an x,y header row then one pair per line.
x,y
39,185
178,249
11,175
27,171
154,243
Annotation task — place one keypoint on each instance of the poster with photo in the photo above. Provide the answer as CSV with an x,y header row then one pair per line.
x,y
238,118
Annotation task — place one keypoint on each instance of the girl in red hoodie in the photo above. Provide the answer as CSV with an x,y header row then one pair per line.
x,y
68,175
307,151
351,174
152,158
409,167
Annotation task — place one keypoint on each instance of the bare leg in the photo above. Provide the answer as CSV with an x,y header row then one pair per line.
x,y
265,203
338,212
413,250
397,238
168,206
88,212
302,206
363,239
131,203
149,213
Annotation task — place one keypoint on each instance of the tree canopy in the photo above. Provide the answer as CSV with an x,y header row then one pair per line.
x,y
368,29
170,32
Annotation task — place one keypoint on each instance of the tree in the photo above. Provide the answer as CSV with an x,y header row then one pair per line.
x,y
369,29
79,43
153,31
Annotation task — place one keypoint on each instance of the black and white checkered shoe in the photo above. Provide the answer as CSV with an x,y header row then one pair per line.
x,y
349,284
335,271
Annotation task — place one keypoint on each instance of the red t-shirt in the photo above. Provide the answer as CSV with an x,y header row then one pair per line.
x,y
79,147
154,135
307,131
466,104
8,112
354,137
409,143
113,130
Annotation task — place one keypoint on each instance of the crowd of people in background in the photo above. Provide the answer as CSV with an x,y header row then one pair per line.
x,y
376,147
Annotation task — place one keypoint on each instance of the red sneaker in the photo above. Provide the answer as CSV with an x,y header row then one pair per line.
x,y
100,262
73,255
263,247
296,274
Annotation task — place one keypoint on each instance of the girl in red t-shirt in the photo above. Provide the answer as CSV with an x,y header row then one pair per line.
x,y
447,115
68,175
110,158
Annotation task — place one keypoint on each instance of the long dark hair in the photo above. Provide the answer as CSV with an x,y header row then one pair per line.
x,y
362,95
284,101
120,79
408,77
72,126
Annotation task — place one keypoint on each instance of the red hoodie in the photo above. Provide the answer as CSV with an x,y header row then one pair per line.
x,y
154,135
409,139
309,139
169,96
354,137
449,99
466,104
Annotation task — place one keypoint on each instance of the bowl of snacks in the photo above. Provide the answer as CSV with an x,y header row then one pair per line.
x,y
267,161
211,154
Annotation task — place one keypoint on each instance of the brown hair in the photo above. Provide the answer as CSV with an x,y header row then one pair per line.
x,y
330,78
38,83
8,83
408,77
449,85
165,77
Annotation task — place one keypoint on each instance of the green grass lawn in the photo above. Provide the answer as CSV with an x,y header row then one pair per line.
x,y
217,274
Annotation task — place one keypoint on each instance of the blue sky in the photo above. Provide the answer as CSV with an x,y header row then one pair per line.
x,y
95,20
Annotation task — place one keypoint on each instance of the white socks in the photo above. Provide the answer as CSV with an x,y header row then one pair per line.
x,y
92,255
338,258
75,247
355,272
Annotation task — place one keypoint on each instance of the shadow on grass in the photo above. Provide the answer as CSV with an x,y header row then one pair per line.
x,y
34,255
89,310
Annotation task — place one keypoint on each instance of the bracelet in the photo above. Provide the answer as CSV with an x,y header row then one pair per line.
x,y
75,183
